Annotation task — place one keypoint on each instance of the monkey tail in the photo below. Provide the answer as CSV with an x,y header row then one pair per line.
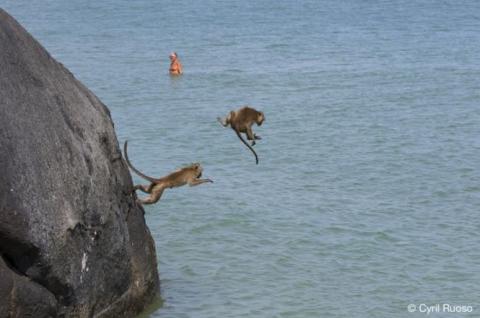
x,y
246,144
133,168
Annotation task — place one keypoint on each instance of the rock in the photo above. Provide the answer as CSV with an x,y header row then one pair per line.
x,y
71,234
21,297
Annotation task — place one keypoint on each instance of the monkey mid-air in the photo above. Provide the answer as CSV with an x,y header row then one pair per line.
x,y
188,175
241,121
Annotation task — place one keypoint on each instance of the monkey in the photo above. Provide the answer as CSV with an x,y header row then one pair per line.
x,y
241,121
187,175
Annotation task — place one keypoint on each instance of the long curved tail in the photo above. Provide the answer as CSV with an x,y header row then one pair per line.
x,y
246,144
135,169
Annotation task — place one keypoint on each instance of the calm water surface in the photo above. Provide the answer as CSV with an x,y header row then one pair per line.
x,y
367,195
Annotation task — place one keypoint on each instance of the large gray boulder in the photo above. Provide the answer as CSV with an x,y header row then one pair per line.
x,y
73,242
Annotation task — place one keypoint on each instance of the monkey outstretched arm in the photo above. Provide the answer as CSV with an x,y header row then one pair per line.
x,y
198,181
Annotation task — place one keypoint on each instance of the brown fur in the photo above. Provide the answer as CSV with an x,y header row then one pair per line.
x,y
188,175
241,121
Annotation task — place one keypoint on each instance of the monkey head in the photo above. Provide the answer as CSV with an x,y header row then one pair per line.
x,y
260,118
198,169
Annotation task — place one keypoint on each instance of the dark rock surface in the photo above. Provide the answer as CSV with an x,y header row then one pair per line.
x,y
20,297
72,240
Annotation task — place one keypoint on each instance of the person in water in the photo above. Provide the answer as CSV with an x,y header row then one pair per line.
x,y
175,66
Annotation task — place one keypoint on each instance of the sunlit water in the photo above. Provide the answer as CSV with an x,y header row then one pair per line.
x,y
367,195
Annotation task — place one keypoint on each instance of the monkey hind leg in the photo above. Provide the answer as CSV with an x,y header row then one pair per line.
x,y
251,136
144,188
251,139
152,198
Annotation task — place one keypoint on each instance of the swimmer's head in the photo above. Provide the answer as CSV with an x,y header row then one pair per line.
x,y
173,55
